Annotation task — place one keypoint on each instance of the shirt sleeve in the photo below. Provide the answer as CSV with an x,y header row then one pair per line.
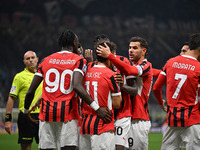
x,y
156,72
81,66
16,86
125,68
115,91
157,88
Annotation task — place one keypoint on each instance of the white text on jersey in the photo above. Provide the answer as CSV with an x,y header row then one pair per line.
x,y
183,66
62,61
93,75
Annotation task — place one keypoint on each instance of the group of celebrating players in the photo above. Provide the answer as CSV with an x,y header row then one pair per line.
x,y
103,104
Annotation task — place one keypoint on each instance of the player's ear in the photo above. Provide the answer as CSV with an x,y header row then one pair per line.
x,y
144,51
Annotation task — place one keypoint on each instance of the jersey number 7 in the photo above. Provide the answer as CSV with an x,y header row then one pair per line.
x,y
180,84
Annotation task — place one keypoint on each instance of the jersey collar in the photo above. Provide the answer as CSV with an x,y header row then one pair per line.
x,y
189,57
99,66
64,51
140,62
25,69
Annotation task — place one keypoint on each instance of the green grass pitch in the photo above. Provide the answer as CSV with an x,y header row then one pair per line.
x,y
9,142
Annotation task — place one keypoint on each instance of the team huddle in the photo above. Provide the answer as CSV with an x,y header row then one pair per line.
x,y
103,103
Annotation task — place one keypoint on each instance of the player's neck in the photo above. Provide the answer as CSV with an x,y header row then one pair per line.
x,y
33,70
139,60
193,53
67,49
103,64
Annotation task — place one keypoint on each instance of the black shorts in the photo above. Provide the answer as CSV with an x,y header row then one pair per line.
x,y
27,129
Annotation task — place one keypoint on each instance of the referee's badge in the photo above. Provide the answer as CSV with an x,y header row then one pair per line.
x,y
13,89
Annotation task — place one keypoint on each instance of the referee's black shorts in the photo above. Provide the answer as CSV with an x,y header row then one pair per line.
x,y
27,129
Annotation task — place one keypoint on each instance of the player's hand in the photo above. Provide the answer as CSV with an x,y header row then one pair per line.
x,y
103,51
35,106
33,109
8,127
105,114
163,106
89,55
29,116
119,79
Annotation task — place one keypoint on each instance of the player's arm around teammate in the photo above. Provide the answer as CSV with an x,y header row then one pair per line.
x,y
143,70
99,82
131,86
122,66
102,112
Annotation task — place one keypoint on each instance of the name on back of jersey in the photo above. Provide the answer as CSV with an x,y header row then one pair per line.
x,y
183,66
62,61
93,75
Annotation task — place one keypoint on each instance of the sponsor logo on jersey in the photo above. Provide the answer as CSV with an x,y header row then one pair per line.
x,y
84,68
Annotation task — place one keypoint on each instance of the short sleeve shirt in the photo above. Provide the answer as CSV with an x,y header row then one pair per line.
x,y
20,86
183,80
59,101
100,84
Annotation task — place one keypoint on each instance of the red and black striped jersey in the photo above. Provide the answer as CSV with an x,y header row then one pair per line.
x,y
91,64
125,109
182,75
59,103
144,73
144,82
100,84
79,101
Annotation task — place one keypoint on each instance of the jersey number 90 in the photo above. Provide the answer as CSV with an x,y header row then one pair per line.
x,y
59,82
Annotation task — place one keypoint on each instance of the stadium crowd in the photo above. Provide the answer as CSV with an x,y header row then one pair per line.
x,y
19,37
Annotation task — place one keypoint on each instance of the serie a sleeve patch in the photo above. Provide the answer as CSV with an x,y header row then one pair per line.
x,y
13,89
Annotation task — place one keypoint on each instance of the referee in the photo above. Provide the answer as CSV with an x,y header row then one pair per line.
x,y
19,88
